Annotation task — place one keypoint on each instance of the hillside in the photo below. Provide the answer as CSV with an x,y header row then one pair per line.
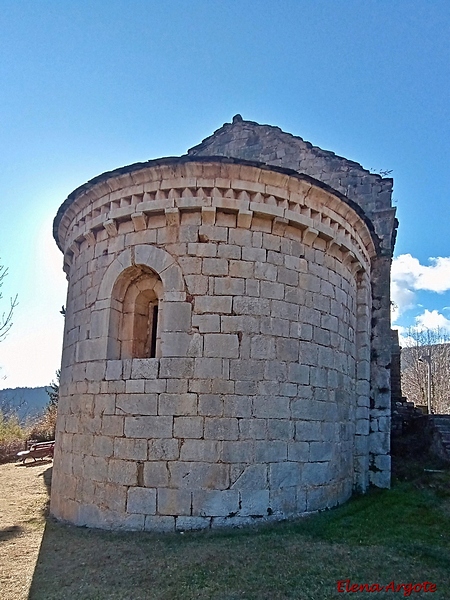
x,y
27,402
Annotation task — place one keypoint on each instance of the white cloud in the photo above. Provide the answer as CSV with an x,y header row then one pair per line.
x,y
432,320
435,278
409,276
403,299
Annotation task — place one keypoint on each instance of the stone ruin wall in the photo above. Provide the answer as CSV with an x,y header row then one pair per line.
x,y
265,395
373,194
248,411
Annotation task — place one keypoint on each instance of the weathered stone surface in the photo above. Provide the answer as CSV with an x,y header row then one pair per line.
x,y
227,347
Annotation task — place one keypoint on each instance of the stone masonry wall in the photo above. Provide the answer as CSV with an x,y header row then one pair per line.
x,y
257,403
372,193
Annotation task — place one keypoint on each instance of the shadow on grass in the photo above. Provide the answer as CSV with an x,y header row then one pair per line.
x,y
399,535
8,533
35,463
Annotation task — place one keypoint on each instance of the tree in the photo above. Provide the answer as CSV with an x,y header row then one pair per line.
x,y
53,392
6,317
423,346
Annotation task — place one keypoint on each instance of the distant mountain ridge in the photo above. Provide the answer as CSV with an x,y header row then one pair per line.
x,y
28,403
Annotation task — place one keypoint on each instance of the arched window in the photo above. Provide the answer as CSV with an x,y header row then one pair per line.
x,y
135,314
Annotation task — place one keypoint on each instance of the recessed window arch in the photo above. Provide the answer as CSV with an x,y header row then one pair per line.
x,y
136,306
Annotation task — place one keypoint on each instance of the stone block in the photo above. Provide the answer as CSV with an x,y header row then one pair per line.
x,y
237,406
173,502
287,276
229,251
254,503
159,524
156,474
136,404
155,386
123,472
199,475
275,327
177,404
215,503
141,500
238,452
190,264
247,370
283,502
272,290
148,427
113,369
177,316
104,404
180,368
221,428
229,286
275,407
320,497
317,473
280,429
95,468
253,429
193,450
379,442
362,427
192,523
110,496
215,266
244,324
223,345
210,405
284,310
243,305
320,451
112,425
213,304
144,368
130,449
197,284
188,427
207,323
298,373
208,368
262,347
383,462
306,431
381,479
285,474
134,386
163,449
176,386
298,451
270,451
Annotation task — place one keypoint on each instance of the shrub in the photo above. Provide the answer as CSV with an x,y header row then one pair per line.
x,y
12,436
44,429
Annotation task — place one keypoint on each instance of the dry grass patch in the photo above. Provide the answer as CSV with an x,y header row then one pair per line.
x,y
401,535
23,501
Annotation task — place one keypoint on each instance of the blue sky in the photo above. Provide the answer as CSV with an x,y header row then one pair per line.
x,y
87,86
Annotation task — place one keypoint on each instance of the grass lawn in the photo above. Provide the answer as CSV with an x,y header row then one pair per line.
x,y
400,535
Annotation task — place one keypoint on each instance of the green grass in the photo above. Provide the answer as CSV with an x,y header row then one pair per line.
x,y
402,534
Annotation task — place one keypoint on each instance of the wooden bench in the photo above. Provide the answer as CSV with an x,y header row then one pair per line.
x,y
37,450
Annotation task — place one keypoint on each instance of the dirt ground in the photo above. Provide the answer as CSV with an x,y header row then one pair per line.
x,y
24,495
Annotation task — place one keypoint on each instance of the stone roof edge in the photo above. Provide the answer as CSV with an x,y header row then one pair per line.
x,y
173,160
238,119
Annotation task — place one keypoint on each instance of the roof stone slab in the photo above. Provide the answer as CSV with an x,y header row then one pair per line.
x,y
270,145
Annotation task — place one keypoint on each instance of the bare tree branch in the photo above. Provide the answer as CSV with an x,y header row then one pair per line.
x,y
436,343
6,317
